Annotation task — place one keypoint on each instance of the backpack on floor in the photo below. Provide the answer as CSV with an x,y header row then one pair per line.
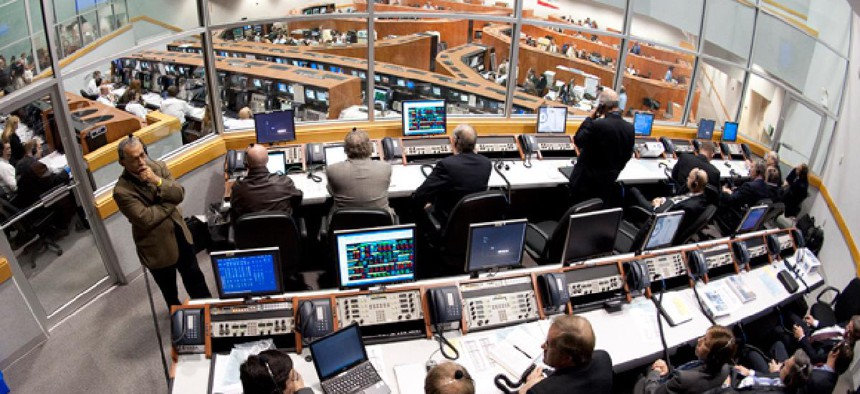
x,y
813,235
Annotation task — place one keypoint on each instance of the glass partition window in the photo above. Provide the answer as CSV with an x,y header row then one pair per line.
x,y
761,110
607,15
22,45
657,80
829,21
728,30
670,22
719,87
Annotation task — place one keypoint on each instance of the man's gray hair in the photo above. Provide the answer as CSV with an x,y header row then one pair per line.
x,y
132,140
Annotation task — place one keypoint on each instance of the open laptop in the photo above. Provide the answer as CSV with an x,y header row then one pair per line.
x,y
342,364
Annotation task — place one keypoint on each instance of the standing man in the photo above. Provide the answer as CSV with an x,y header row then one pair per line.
x,y
261,191
149,198
605,142
569,348
359,182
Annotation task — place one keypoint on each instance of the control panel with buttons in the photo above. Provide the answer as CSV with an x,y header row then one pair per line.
x,y
718,256
274,318
383,308
666,266
499,302
427,146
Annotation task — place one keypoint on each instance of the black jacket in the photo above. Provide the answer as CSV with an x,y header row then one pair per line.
x,y
594,378
261,191
693,380
686,163
34,179
453,178
692,206
748,194
605,145
794,194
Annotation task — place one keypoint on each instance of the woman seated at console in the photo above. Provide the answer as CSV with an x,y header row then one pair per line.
x,y
714,351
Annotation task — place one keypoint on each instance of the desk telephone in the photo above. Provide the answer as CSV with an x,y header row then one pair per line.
x,y
697,264
187,333
733,149
529,144
234,161
445,305
391,149
554,291
315,318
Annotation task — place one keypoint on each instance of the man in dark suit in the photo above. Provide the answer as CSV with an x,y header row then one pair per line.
x,y
824,376
359,182
693,203
714,351
701,160
734,202
34,177
260,191
149,198
569,348
605,145
454,177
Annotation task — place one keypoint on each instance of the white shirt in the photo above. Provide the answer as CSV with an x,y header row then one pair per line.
x,y
136,109
105,100
92,88
175,107
7,176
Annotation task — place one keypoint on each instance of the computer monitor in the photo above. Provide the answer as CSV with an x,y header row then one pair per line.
x,y
276,126
642,123
322,95
282,87
257,83
752,219
591,234
410,85
423,117
375,256
334,154
247,273
401,82
381,95
730,131
706,129
494,245
277,163
338,352
663,230
310,94
551,119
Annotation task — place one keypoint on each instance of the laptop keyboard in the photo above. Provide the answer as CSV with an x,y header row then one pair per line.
x,y
356,379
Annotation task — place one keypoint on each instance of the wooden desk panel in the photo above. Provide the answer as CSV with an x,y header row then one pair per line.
x,y
453,31
120,125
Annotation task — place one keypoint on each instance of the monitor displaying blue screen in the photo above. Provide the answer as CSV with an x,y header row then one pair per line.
x,y
552,119
424,117
376,256
495,245
282,87
274,127
706,129
642,123
752,219
664,229
247,273
338,352
410,85
730,131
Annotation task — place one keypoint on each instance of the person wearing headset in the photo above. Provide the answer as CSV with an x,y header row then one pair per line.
x,y
790,376
693,203
449,378
271,372
701,160
714,351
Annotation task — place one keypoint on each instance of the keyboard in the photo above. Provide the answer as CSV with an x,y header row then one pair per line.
x,y
354,380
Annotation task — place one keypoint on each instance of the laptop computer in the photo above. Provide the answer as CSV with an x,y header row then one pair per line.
x,y
342,364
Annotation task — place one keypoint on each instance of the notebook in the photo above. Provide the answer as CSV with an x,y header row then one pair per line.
x,y
342,364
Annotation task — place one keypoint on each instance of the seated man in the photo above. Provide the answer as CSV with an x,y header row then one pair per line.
x,y
174,106
701,160
790,376
455,176
261,191
8,182
733,202
693,203
271,372
34,177
569,348
449,378
824,376
105,96
359,182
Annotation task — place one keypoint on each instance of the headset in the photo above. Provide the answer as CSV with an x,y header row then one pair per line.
x,y
773,247
798,238
742,254
277,389
697,266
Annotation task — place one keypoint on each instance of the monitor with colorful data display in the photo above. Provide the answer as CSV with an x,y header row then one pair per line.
x,y
375,256
424,117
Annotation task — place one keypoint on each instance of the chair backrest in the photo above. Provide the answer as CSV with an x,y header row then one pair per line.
x,y
712,194
478,207
555,244
690,228
772,213
355,218
270,229
846,302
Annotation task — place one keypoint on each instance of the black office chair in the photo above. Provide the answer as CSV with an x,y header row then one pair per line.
x,y
728,218
451,238
89,96
773,211
690,228
633,229
354,218
545,241
841,308
270,229
35,232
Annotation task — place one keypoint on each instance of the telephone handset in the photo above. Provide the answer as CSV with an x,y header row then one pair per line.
x,y
773,247
315,319
529,144
668,145
187,332
235,161
747,152
504,384
315,154
637,276
799,241
554,291
742,254
697,265
391,149
445,305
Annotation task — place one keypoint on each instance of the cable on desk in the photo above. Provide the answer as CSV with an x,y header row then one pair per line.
x,y
702,306
311,176
424,168
443,342
658,301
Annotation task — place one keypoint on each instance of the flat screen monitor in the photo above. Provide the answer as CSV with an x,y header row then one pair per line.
x,y
495,245
276,126
551,119
334,154
401,82
380,95
730,131
257,83
238,33
663,230
437,91
642,123
310,94
322,96
591,234
423,117
706,129
282,87
247,273
277,163
410,85
752,219
375,256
